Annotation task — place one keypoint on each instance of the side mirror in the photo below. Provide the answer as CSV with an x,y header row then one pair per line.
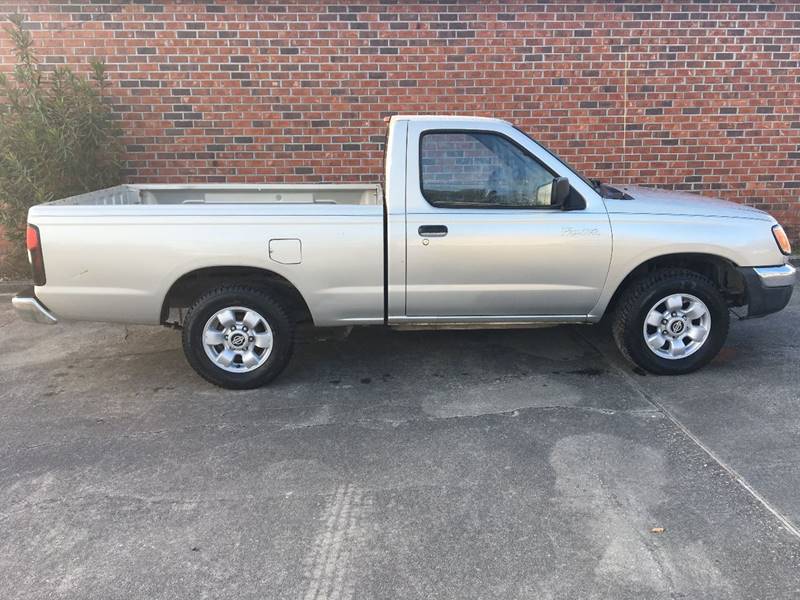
x,y
574,201
559,191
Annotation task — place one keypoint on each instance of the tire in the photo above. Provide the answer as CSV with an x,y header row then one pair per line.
x,y
685,348
255,340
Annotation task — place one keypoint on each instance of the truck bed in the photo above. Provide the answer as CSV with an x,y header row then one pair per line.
x,y
165,194
113,254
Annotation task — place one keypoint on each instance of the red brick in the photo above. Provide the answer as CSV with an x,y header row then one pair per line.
x,y
630,92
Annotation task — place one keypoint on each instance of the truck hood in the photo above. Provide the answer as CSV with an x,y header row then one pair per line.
x,y
653,201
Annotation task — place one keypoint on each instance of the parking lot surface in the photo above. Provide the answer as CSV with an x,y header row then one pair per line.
x,y
456,464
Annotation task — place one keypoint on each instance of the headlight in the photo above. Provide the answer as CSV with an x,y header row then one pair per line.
x,y
782,239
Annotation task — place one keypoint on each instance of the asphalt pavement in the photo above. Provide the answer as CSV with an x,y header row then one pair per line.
x,y
455,464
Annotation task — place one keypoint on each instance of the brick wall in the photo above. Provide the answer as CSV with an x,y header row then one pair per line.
x,y
701,96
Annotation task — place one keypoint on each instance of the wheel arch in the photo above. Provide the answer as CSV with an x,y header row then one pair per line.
x,y
190,285
720,270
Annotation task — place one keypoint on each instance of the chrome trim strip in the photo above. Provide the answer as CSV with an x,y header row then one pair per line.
x,y
777,276
30,309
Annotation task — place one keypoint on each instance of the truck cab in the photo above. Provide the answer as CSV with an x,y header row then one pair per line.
x,y
477,232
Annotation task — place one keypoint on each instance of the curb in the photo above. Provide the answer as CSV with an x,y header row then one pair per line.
x,y
12,287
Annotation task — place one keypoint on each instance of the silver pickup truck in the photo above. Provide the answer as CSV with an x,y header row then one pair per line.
x,y
479,225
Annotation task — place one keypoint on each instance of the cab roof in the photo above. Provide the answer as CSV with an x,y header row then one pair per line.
x,y
447,118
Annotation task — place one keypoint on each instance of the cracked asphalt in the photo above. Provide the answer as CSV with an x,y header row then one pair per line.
x,y
501,464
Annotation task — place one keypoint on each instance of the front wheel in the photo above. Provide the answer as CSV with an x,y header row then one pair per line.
x,y
237,337
671,322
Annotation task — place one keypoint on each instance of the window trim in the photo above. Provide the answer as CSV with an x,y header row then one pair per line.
x,y
513,142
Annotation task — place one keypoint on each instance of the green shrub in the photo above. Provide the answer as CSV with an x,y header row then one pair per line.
x,y
58,136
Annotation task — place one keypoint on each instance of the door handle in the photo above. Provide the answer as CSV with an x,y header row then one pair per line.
x,y
432,230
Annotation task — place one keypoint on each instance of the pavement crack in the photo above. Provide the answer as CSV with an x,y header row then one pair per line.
x,y
512,413
93,499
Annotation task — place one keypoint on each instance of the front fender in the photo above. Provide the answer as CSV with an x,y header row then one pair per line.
x,y
641,238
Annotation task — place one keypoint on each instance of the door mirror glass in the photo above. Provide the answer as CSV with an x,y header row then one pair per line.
x,y
544,194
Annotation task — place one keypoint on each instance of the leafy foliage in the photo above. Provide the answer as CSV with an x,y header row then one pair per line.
x,y
58,136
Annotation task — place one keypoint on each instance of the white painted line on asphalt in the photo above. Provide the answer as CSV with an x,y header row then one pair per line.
x,y
784,520
788,525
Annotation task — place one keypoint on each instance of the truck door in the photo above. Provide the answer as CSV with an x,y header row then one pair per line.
x,y
483,240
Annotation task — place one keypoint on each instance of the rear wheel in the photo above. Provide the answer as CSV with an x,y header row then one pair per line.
x,y
237,337
671,322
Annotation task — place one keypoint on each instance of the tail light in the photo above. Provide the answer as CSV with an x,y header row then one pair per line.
x,y
34,242
782,239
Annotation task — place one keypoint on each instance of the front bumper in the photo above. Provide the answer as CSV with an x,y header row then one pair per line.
x,y
28,308
769,289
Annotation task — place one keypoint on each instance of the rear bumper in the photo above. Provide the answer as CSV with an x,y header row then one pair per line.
x,y
769,289
28,308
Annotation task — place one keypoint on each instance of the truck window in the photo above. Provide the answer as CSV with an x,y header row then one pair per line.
x,y
475,169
